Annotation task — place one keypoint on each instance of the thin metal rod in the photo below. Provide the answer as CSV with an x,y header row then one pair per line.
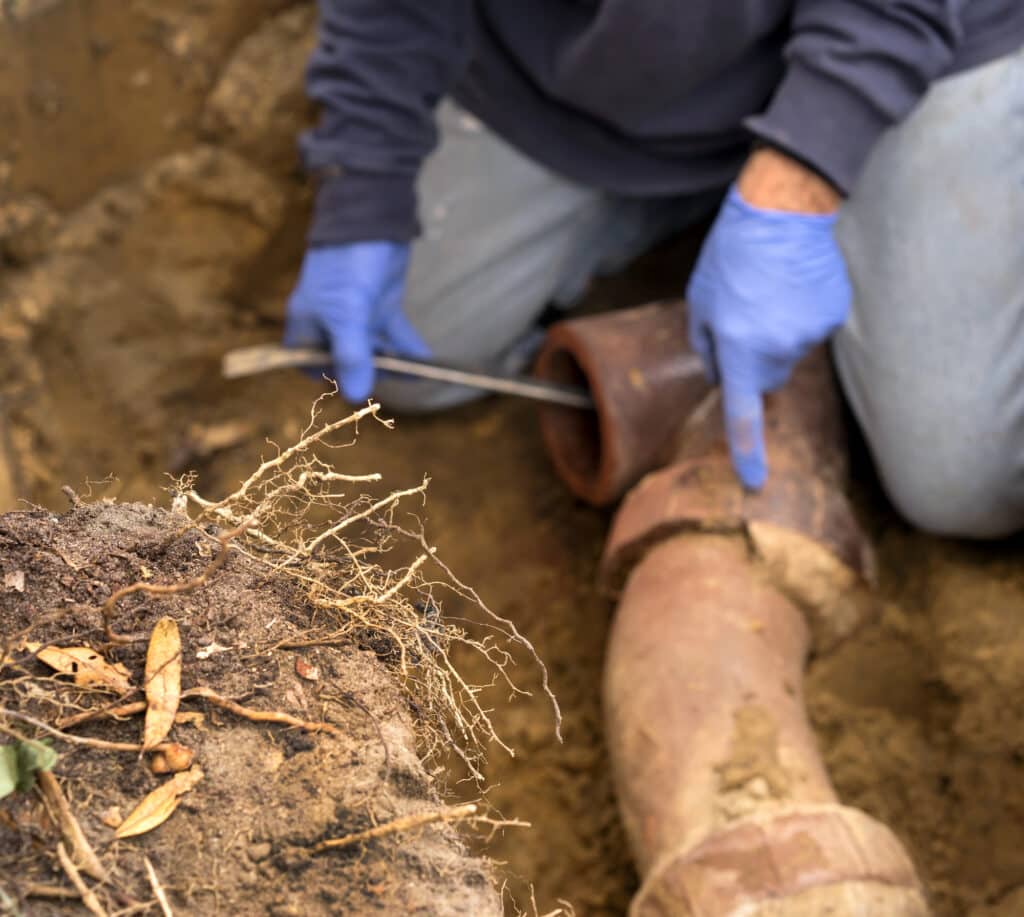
x,y
523,386
247,361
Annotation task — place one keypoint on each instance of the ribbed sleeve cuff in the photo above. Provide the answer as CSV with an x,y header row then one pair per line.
x,y
364,206
822,122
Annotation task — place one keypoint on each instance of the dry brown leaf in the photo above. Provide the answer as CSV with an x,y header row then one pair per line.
x,y
306,669
152,812
87,666
158,806
163,682
26,646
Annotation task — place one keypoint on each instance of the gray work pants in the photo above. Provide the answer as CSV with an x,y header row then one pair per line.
x,y
503,238
932,359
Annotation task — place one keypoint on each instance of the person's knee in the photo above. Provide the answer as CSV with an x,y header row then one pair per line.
x,y
953,487
948,449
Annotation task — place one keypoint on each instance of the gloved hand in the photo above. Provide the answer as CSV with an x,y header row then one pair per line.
x,y
767,287
349,299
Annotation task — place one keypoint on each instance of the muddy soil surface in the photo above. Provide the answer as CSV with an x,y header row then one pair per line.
x,y
180,237
242,839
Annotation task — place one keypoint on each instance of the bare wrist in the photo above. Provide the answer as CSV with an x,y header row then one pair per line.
x,y
774,181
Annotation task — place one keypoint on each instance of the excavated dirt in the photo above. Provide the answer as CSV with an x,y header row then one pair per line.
x,y
920,720
153,218
242,840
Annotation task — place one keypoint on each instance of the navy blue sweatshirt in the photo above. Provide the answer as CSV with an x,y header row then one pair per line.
x,y
637,97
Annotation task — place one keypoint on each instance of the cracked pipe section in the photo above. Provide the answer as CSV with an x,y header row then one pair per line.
x,y
724,594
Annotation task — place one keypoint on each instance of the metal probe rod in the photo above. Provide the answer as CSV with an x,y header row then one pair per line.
x,y
247,361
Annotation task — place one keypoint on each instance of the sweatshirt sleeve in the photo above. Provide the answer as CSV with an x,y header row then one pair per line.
x,y
378,72
853,68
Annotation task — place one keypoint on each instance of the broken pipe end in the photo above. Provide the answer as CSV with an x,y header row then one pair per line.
x,y
644,383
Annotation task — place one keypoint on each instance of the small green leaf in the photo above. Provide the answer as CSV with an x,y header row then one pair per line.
x,y
20,762
8,769
33,756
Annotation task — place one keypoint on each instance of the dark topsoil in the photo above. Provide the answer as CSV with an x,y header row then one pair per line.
x,y
240,841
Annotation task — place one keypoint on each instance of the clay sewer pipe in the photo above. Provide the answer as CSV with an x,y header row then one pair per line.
x,y
723,792
640,378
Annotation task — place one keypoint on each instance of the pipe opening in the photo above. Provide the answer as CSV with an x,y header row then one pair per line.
x,y
573,436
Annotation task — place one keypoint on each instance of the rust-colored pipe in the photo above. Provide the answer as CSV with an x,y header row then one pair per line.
x,y
724,795
643,382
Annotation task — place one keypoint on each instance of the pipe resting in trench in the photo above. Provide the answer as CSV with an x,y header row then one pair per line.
x,y
724,795
723,792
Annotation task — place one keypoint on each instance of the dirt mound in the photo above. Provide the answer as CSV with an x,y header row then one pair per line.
x,y
243,840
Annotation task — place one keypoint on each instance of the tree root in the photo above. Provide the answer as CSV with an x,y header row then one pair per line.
x,y
107,609
74,837
207,694
88,896
405,823
259,716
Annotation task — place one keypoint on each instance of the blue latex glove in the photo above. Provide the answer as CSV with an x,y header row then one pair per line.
x,y
768,286
349,299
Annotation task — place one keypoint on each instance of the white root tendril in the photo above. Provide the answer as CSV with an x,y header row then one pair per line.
x,y
303,522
